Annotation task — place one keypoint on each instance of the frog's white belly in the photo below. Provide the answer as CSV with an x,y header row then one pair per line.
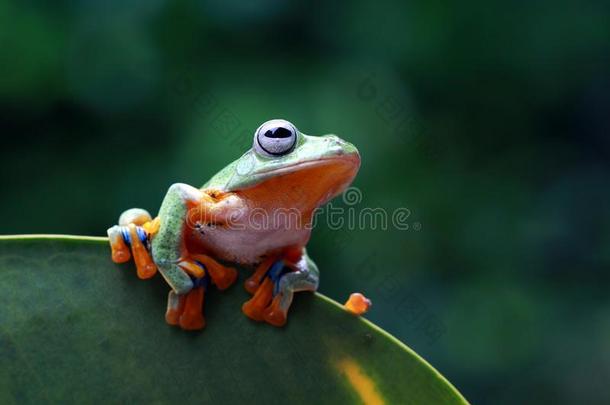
x,y
247,244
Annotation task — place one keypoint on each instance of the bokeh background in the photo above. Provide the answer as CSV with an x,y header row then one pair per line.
x,y
490,122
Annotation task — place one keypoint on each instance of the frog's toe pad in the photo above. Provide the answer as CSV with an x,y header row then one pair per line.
x,y
228,278
274,314
357,304
252,311
189,321
192,316
251,285
175,308
255,306
172,317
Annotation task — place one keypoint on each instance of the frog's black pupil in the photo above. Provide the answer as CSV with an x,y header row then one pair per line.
x,y
279,132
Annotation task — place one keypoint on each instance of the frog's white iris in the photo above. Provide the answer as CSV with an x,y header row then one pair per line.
x,y
275,138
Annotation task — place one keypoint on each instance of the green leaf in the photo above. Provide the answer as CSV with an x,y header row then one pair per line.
x,y
75,327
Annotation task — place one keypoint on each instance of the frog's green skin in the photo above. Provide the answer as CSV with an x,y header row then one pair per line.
x,y
315,170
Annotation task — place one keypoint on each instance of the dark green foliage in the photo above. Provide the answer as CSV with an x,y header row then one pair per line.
x,y
77,328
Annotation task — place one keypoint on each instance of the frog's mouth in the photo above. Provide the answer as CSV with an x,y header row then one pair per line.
x,y
345,160
306,184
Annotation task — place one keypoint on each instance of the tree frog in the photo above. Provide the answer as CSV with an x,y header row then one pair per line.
x,y
256,212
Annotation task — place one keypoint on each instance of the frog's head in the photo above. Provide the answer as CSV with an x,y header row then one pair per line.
x,y
298,169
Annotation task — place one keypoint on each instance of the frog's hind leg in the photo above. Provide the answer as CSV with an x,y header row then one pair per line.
x,y
222,276
304,277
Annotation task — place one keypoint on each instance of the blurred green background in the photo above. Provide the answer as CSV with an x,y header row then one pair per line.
x,y
489,122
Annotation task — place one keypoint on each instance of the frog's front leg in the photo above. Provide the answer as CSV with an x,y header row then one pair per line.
x,y
189,274
168,247
134,231
185,310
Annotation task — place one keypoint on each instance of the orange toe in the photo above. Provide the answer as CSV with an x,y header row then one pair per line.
x,y
275,315
192,322
227,279
172,317
254,307
357,304
120,255
252,311
175,308
251,286
145,267
256,279
120,251
192,316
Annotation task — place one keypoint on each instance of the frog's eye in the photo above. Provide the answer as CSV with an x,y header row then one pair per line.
x,y
275,138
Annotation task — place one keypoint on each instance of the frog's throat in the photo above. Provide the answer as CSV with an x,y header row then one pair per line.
x,y
304,185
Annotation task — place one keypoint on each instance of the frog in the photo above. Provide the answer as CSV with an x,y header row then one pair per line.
x,y
257,213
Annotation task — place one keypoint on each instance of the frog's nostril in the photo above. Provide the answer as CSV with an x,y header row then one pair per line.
x,y
334,140
336,145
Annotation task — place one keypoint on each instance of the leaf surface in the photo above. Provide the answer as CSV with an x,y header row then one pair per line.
x,y
75,327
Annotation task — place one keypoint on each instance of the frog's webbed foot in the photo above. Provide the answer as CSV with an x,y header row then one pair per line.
x,y
134,231
273,298
261,286
254,308
186,310
253,283
277,313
